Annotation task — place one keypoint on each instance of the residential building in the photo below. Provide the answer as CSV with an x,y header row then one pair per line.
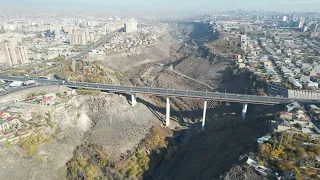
x,y
81,37
244,42
130,26
13,55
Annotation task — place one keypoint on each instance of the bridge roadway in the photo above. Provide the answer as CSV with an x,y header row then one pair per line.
x,y
206,95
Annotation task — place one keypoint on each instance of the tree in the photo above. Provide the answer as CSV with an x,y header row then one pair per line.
x,y
315,149
301,152
265,150
132,172
8,144
143,160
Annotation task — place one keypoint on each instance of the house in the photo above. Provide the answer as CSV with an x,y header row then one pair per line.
x,y
26,116
292,106
47,101
4,125
284,126
286,116
51,95
305,79
4,115
313,85
301,117
313,107
29,99
242,65
313,74
263,139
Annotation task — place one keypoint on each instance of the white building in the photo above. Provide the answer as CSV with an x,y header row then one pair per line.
x,y
244,42
81,37
130,26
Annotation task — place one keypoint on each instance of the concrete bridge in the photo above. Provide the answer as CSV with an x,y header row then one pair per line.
x,y
168,93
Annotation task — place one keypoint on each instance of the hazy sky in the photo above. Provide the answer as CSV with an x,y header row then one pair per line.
x,y
163,5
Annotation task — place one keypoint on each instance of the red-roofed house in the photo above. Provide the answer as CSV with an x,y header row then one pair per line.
x,y
286,116
313,74
47,100
4,115
29,99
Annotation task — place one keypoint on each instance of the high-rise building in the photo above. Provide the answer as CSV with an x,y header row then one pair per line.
x,y
130,26
301,23
22,55
81,37
13,55
314,27
244,42
285,18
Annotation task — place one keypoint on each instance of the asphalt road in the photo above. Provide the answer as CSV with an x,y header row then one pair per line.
x,y
251,99
98,43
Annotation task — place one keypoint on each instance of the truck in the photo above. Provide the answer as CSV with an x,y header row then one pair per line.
x,y
30,83
15,84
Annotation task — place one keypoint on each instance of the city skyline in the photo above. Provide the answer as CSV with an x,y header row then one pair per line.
x,y
159,6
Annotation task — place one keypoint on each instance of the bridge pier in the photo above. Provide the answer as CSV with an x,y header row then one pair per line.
x,y
244,110
204,114
133,99
168,112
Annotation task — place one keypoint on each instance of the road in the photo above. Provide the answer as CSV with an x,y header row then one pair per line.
x,y
98,43
241,98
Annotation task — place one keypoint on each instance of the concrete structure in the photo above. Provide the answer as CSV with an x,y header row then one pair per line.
x,y
81,37
303,94
78,37
94,46
204,114
244,42
133,99
168,112
13,55
130,26
244,111
241,98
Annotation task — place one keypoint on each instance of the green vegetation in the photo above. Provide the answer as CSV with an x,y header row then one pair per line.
x,y
87,165
35,94
293,152
30,144
88,91
9,144
90,162
83,72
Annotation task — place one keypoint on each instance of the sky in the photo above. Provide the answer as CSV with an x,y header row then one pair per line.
x,y
162,6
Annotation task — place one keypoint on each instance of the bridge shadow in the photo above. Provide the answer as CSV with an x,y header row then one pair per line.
x,y
194,116
210,153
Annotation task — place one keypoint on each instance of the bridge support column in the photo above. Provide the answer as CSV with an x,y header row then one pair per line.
x,y
133,99
168,112
244,110
204,114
